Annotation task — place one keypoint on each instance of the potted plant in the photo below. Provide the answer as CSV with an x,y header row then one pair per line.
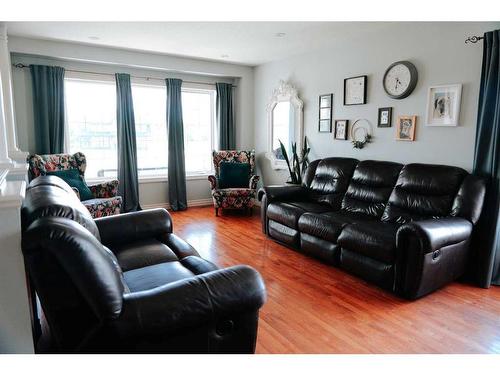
x,y
298,164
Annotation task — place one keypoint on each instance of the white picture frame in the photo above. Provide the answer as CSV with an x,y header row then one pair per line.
x,y
443,105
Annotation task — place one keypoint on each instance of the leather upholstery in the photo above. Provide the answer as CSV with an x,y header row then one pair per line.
x,y
143,253
375,240
405,228
289,213
423,191
329,225
465,207
142,289
370,187
330,181
50,196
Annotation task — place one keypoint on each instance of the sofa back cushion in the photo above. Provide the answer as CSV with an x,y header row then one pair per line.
x,y
50,196
423,191
370,187
77,279
328,179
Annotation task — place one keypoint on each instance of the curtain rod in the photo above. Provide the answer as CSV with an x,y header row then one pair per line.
x,y
21,66
473,39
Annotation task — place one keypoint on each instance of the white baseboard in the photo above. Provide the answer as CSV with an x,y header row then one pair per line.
x,y
191,203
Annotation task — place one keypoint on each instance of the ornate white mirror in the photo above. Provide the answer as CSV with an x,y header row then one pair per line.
x,y
285,123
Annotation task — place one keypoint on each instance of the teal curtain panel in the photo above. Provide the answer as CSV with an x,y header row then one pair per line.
x,y
487,162
225,116
176,165
48,108
127,144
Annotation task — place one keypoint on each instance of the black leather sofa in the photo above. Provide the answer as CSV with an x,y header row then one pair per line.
x,y
406,228
126,283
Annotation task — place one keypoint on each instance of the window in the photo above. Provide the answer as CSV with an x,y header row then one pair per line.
x,y
151,130
91,124
198,112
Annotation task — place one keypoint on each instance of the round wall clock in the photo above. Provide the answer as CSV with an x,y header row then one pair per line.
x,y
400,79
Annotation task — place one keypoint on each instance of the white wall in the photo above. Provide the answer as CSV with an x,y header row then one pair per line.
x,y
441,57
110,60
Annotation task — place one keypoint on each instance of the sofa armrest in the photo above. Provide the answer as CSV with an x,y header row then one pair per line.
x,y
213,182
284,192
254,180
133,226
107,189
437,233
430,254
191,302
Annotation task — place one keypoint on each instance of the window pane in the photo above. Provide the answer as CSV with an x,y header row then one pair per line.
x,y
151,129
91,120
198,112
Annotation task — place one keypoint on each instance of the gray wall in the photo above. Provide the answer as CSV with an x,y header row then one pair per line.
x,y
441,57
110,60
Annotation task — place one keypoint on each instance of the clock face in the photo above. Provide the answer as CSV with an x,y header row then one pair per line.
x,y
400,80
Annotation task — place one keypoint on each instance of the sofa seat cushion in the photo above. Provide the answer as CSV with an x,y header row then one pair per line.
x,y
143,253
288,213
149,277
156,275
376,240
329,225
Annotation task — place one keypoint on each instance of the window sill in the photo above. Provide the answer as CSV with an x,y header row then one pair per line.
x,y
148,180
152,180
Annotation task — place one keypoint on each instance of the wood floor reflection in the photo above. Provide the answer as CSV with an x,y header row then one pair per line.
x,y
315,308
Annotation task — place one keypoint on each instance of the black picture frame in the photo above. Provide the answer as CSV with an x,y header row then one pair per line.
x,y
346,132
379,122
329,110
365,85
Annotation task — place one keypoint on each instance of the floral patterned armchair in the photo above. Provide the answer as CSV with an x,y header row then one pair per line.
x,y
105,202
239,198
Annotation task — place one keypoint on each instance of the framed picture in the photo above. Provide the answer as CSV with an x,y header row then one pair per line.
x,y
325,126
355,90
341,129
443,105
325,113
405,129
385,117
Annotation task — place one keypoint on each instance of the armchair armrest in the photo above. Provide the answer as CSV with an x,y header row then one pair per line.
x,y
213,182
132,226
283,192
107,189
430,254
254,180
191,302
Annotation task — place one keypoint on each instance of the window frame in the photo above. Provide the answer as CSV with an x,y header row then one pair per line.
x,y
85,77
186,87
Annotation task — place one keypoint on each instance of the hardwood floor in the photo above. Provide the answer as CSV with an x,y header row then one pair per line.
x,y
315,308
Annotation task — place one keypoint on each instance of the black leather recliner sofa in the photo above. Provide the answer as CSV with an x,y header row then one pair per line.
x,y
405,228
126,283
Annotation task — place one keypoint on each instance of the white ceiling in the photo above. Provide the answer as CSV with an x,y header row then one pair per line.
x,y
248,43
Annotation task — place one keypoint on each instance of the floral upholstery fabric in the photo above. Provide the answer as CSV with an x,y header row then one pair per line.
x,y
105,202
39,165
233,198
238,198
101,207
233,156
106,189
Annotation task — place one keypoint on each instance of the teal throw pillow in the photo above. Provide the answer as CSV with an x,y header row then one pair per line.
x,y
234,175
72,178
